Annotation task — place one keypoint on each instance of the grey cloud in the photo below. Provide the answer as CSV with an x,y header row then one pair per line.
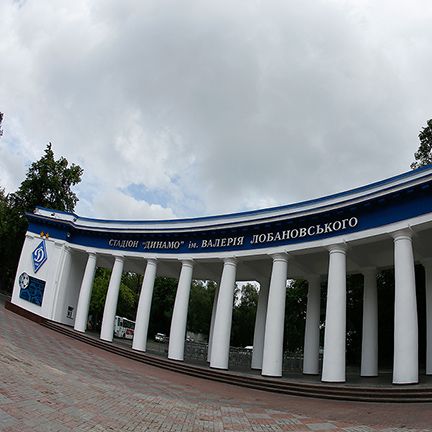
x,y
223,106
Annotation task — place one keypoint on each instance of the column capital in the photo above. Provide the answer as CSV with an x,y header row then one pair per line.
x,y
230,261
403,234
264,281
282,256
313,278
118,258
369,271
426,261
338,248
151,260
187,262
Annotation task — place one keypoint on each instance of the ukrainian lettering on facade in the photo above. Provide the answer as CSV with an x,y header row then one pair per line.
x,y
382,225
227,242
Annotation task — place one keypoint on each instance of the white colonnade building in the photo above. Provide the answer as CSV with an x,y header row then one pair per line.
x,y
379,226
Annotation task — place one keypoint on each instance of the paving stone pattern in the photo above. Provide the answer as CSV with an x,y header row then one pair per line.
x,y
49,382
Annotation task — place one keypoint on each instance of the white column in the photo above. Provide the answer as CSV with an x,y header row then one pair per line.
x,y
428,282
139,342
179,317
107,330
274,328
335,326
312,330
405,360
369,356
85,294
210,340
223,319
260,321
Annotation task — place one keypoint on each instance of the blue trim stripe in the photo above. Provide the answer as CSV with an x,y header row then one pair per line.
x,y
396,206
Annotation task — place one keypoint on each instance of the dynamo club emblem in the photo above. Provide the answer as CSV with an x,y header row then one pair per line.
x,y
39,256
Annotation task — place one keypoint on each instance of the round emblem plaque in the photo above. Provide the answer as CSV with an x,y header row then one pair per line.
x,y
24,280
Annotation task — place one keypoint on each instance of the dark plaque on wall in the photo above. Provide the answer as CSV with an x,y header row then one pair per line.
x,y
31,289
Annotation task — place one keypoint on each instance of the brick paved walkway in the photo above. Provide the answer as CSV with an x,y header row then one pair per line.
x,y
49,382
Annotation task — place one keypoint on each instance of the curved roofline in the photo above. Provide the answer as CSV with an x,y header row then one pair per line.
x,y
374,185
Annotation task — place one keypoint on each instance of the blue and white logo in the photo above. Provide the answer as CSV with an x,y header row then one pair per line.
x,y
39,256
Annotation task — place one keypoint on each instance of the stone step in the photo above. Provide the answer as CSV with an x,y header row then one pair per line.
x,y
379,393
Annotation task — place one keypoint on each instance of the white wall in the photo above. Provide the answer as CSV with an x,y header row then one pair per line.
x,y
49,272
69,287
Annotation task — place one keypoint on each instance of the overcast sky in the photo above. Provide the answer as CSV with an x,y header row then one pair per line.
x,y
191,107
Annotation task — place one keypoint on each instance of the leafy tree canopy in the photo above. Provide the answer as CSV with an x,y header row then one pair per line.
x,y
243,320
164,293
295,315
48,184
423,156
127,301
11,238
200,306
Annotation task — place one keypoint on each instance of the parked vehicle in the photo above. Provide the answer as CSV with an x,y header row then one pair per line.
x,y
161,337
123,327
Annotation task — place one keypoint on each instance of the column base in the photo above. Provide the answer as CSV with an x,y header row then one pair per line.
x,y
271,375
176,359
311,373
218,367
311,370
334,381
406,381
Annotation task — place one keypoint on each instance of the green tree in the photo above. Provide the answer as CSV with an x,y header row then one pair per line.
x,y
162,305
98,296
354,318
200,306
9,237
243,320
48,183
423,156
133,281
127,300
1,121
3,206
295,315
